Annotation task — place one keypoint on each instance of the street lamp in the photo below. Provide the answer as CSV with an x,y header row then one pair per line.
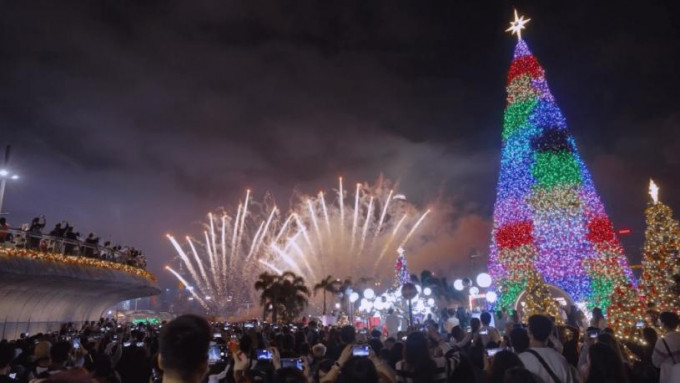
x,y
5,175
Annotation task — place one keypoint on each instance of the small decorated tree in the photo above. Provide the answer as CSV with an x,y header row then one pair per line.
x,y
401,273
538,299
624,312
660,259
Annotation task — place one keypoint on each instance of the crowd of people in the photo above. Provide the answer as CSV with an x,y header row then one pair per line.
x,y
190,349
64,239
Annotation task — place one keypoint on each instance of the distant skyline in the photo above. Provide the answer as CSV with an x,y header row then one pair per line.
x,y
134,120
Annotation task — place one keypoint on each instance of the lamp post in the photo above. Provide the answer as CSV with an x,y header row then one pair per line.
x,y
408,292
4,176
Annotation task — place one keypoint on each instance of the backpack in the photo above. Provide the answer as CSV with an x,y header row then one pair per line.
x,y
670,372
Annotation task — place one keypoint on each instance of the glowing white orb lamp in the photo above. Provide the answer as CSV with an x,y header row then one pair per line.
x,y
458,284
483,280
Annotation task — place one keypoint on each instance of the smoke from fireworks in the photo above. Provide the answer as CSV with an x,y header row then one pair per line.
x,y
342,233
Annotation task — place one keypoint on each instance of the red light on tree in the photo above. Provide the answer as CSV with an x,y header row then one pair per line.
x,y
625,231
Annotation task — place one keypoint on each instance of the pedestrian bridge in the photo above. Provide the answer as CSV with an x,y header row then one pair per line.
x,y
40,290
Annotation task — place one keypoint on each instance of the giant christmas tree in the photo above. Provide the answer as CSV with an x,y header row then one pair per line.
x,y
548,217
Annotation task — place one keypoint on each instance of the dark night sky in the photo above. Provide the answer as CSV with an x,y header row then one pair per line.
x,y
133,119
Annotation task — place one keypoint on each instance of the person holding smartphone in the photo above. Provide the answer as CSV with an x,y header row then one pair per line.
x,y
358,369
242,356
470,335
418,364
489,335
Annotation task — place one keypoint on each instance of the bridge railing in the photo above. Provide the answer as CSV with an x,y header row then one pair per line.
x,y
21,239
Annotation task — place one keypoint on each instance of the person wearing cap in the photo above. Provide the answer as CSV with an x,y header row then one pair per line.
x,y
59,356
41,358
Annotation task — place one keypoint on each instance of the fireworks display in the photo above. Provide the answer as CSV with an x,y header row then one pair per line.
x,y
344,233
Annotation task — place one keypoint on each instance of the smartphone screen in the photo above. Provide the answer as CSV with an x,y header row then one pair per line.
x,y
492,351
76,343
217,335
263,354
214,354
593,334
248,325
484,332
127,344
295,363
640,324
360,350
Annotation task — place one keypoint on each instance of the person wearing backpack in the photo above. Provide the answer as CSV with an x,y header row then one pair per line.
x,y
666,354
543,360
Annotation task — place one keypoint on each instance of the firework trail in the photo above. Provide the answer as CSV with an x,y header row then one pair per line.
x,y
342,233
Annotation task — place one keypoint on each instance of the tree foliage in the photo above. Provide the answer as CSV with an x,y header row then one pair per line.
x,y
285,295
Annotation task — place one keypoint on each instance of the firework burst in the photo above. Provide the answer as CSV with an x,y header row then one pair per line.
x,y
342,233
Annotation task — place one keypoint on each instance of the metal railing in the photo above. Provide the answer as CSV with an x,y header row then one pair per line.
x,y
21,239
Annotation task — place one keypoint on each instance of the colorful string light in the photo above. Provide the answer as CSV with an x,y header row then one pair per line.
x,y
401,272
549,222
77,261
660,261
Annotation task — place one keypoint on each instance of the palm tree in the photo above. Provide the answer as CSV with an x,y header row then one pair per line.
x,y
265,283
284,293
295,295
328,284
441,289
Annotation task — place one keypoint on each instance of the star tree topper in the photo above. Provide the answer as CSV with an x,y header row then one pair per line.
x,y
517,25
654,191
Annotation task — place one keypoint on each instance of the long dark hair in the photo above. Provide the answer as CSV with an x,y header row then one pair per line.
x,y
609,340
475,324
417,357
605,365
503,361
358,370
597,314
